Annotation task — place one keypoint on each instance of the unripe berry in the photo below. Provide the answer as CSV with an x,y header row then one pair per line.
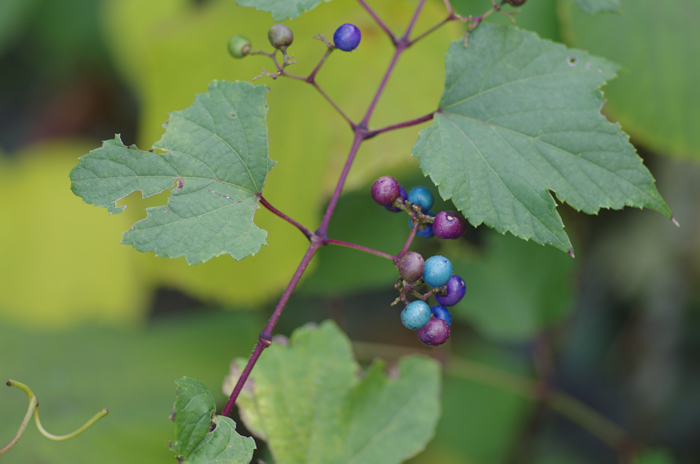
x,y
516,2
411,266
347,37
435,332
280,36
238,46
437,271
393,208
416,315
385,190
449,224
456,288
442,313
422,197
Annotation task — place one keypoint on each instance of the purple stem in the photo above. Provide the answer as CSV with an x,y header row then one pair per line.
x,y
411,236
437,26
400,47
410,123
320,63
307,233
378,21
413,20
265,338
331,241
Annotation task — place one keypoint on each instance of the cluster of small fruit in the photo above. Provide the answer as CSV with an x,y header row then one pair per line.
x,y
432,323
346,38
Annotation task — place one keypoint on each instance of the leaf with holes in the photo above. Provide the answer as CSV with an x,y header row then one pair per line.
x,y
282,9
202,437
217,161
519,117
310,403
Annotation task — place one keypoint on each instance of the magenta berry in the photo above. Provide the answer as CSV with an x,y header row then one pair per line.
x,y
435,332
347,37
411,266
385,190
455,290
449,224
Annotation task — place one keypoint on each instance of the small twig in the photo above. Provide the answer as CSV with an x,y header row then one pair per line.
x,y
307,233
312,76
376,18
381,254
409,240
414,18
410,123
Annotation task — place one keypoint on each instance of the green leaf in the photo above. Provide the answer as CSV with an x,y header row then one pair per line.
x,y
598,6
223,446
656,101
282,9
520,116
217,159
309,403
655,456
193,411
203,438
515,289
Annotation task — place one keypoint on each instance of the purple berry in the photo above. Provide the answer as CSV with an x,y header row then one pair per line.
x,y
449,224
411,266
347,37
442,313
386,190
393,208
456,288
435,332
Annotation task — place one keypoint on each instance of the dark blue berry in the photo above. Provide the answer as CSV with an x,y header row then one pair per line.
x,y
443,313
422,197
456,288
393,208
416,315
426,230
435,332
437,271
347,37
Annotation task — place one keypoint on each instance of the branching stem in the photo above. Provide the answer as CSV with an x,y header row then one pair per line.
x,y
379,22
410,123
381,254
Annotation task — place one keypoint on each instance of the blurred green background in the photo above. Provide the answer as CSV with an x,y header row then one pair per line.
x,y
90,323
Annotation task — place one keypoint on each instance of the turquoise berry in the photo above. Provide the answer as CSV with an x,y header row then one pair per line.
x,y
422,197
437,271
426,231
441,312
416,315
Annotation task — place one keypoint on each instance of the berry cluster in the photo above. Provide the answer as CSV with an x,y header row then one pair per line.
x,y
432,323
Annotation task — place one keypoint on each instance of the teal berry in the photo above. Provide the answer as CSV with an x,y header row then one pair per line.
x,y
422,197
416,315
437,271
347,37
238,46
426,230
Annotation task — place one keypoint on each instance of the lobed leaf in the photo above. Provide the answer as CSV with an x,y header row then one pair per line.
x,y
282,9
311,406
203,438
520,116
599,6
217,160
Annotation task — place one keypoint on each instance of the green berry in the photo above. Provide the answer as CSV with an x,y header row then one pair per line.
x,y
238,46
280,36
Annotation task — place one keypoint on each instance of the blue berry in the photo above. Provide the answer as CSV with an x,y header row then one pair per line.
x,y
425,231
437,271
422,197
416,315
393,208
442,313
456,288
347,37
